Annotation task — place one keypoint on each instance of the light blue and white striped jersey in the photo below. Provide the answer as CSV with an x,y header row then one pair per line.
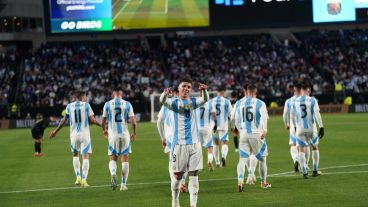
x,y
305,112
166,117
287,112
186,126
251,116
223,111
205,115
117,111
78,113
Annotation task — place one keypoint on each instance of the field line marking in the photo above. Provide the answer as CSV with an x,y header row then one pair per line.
x,y
121,10
285,174
166,6
152,12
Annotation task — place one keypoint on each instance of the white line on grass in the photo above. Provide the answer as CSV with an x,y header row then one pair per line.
x,y
122,8
151,12
284,174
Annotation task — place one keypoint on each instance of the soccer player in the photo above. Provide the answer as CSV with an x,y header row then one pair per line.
x,y
251,120
116,113
289,126
305,113
186,150
37,133
223,112
252,161
207,124
165,128
79,114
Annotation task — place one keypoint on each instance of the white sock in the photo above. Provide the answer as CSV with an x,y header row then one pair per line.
x,y
124,172
307,154
303,162
175,191
85,168
252,165
171,172
210,157
263,169
224,150
112,167
193,190
315,157
76,165
241,169
294,153
216,154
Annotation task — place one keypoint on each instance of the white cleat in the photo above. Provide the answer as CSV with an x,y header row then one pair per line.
x,y
123,187
175,203
251,180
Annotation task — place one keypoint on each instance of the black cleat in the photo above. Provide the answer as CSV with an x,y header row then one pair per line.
x,y
305,176
296,166
316,173
223,162
113,182
240,188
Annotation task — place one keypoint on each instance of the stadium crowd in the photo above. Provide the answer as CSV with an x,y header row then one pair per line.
x,y
328,59
8,76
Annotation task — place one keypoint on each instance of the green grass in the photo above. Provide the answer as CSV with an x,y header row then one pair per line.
x,y
146,14
345,143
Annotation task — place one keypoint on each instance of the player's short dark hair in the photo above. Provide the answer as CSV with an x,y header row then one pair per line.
x,y
186,79
222,89
245,86
305,85
252,87
297,84
80,94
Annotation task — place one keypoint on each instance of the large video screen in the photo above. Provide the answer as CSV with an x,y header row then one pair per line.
x,y
66,16
108,15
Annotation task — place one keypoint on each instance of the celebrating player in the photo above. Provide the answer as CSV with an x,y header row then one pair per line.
x,y
115,116
223,111
165,128
251,120
186,151
79,114
305,113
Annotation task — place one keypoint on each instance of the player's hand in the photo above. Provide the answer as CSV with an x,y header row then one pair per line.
x,y
168,91
287,127
202,86
163,142
263,135
214,128
105,133
133,137
321,132
52,134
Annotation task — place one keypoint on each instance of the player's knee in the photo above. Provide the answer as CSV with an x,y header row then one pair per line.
x,y
125,158
178,175
113,157
314,148
224,142
193,173
75,154
262,159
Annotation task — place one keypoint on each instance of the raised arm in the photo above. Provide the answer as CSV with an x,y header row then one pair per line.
x,y
204,96
165,100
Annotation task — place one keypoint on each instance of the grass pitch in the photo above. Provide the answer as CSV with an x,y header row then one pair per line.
x,y
49,181
151,14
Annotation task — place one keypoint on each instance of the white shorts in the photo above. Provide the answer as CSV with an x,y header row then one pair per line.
x,y
205,135
221,135
119,146
252,144
186,158
305,138
81,143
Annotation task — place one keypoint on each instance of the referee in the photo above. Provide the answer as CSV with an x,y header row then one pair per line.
x,y
37,133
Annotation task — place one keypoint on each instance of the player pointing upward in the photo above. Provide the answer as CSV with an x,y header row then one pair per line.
x,y
186,151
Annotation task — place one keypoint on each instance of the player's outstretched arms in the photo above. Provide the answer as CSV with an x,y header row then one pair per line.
x,y
53,133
